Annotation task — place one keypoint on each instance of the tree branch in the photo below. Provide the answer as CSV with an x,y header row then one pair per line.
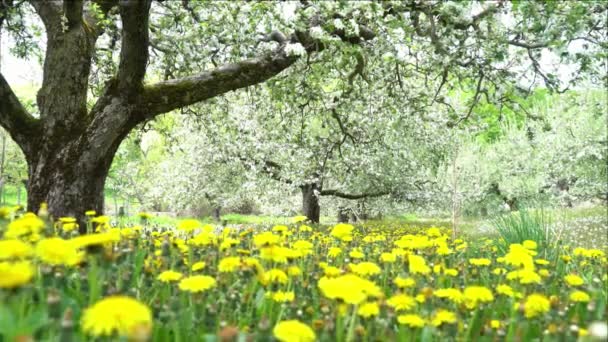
x,y
338,193
14,117
166,96
135,40
49,12
172,94
73,12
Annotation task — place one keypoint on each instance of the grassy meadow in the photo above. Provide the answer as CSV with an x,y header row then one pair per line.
x,y
383,280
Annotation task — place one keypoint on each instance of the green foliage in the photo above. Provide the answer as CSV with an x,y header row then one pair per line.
x,y
525,225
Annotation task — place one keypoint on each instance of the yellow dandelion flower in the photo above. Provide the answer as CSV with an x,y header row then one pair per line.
x,y
418,265
229,264
293,331
343,231
15,274
197,266
334,252
57,251
169,276
15,249
276,276
368,310
451,294
401,302
404,282
473,295
365,269
480,262
411,320
580,297
118,315
198,283
189,225
535,305
29,223
574,280
443,317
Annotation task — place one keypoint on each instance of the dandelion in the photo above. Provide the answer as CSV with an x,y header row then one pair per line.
x,y
334,252
365,269
480,262
574,280
229,264
293,331
275,276
298,219
443,317
348,288
199,265
535,305
451,294
529,244
388,258
15,249
281,296
15,274
343,231
94,240
401,302
57,251
28,224
579,297
411,320
368,310
404,282
505,290
169,276
198,283
418,265
189,225
118,315
473,295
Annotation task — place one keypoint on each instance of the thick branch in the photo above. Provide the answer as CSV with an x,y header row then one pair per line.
x,y
169,95
49,12
173,94
14,117
338,193
135,40
73,12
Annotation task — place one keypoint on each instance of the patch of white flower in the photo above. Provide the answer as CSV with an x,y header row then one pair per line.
x,y
317,32
338,24
295,49
268,46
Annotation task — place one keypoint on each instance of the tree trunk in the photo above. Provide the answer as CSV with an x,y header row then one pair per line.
x,y
342,215
69,180
217,213
310,202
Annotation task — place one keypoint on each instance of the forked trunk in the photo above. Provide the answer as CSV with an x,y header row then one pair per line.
x,y
310,202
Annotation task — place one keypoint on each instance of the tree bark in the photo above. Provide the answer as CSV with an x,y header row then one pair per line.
x,y
68,180
310,202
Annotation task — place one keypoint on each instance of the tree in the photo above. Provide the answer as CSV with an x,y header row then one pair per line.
x,y
70,146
